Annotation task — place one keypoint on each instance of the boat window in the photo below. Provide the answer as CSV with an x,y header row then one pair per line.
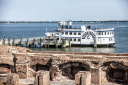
x,y
66,27
79,39
109,39
71,39
57,38
74,33
60,26
102,33
112,32
70,27
74,39
99,33
88,27
108,33
79,27
79,33
62,32
105,33
66,33
70,33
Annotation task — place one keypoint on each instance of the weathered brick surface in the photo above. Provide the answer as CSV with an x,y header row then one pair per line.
x,y
42,78
83,78
56,74
22,70
42,60
86,79
64,66
13,79
21,58
77,79
95,76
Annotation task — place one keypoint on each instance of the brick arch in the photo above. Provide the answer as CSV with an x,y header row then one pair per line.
x,y
71,68
38,67
8,62
6,68
40,61
116,72
83,62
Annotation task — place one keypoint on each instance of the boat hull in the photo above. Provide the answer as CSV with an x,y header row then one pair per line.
x,y
92,45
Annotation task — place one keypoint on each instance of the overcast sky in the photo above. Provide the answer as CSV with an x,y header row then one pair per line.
x,y
57,10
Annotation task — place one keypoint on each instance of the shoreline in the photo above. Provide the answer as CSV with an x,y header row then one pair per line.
x,y
109,21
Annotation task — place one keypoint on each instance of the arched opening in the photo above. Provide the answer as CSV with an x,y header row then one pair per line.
x,y
116,75
34,68
70,69
42,67
116,72
5,69
38,67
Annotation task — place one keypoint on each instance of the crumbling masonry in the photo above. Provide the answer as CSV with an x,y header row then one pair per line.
x,y
79,67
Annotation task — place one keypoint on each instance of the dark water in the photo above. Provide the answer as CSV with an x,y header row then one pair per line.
x,y
25,30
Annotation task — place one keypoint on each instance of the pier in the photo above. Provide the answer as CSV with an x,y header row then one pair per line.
x,y
37,42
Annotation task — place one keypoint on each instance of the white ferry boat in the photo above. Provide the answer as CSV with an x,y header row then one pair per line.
x,y
83,35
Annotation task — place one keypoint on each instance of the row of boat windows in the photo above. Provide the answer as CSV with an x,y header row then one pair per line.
x,y
79,33
105,33
110,39
70,27
71,33
75,39
78,39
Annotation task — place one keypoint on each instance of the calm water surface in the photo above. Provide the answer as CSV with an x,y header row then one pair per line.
x,y
26,30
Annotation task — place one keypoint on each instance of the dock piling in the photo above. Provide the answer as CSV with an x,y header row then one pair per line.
x,y
27,43
63,43
9,41
48,42
69,43
41,44
14,42
95,43
4,41
56,44
34,43
21,42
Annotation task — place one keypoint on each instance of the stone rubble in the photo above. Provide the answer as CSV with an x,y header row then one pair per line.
x,y
97,68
